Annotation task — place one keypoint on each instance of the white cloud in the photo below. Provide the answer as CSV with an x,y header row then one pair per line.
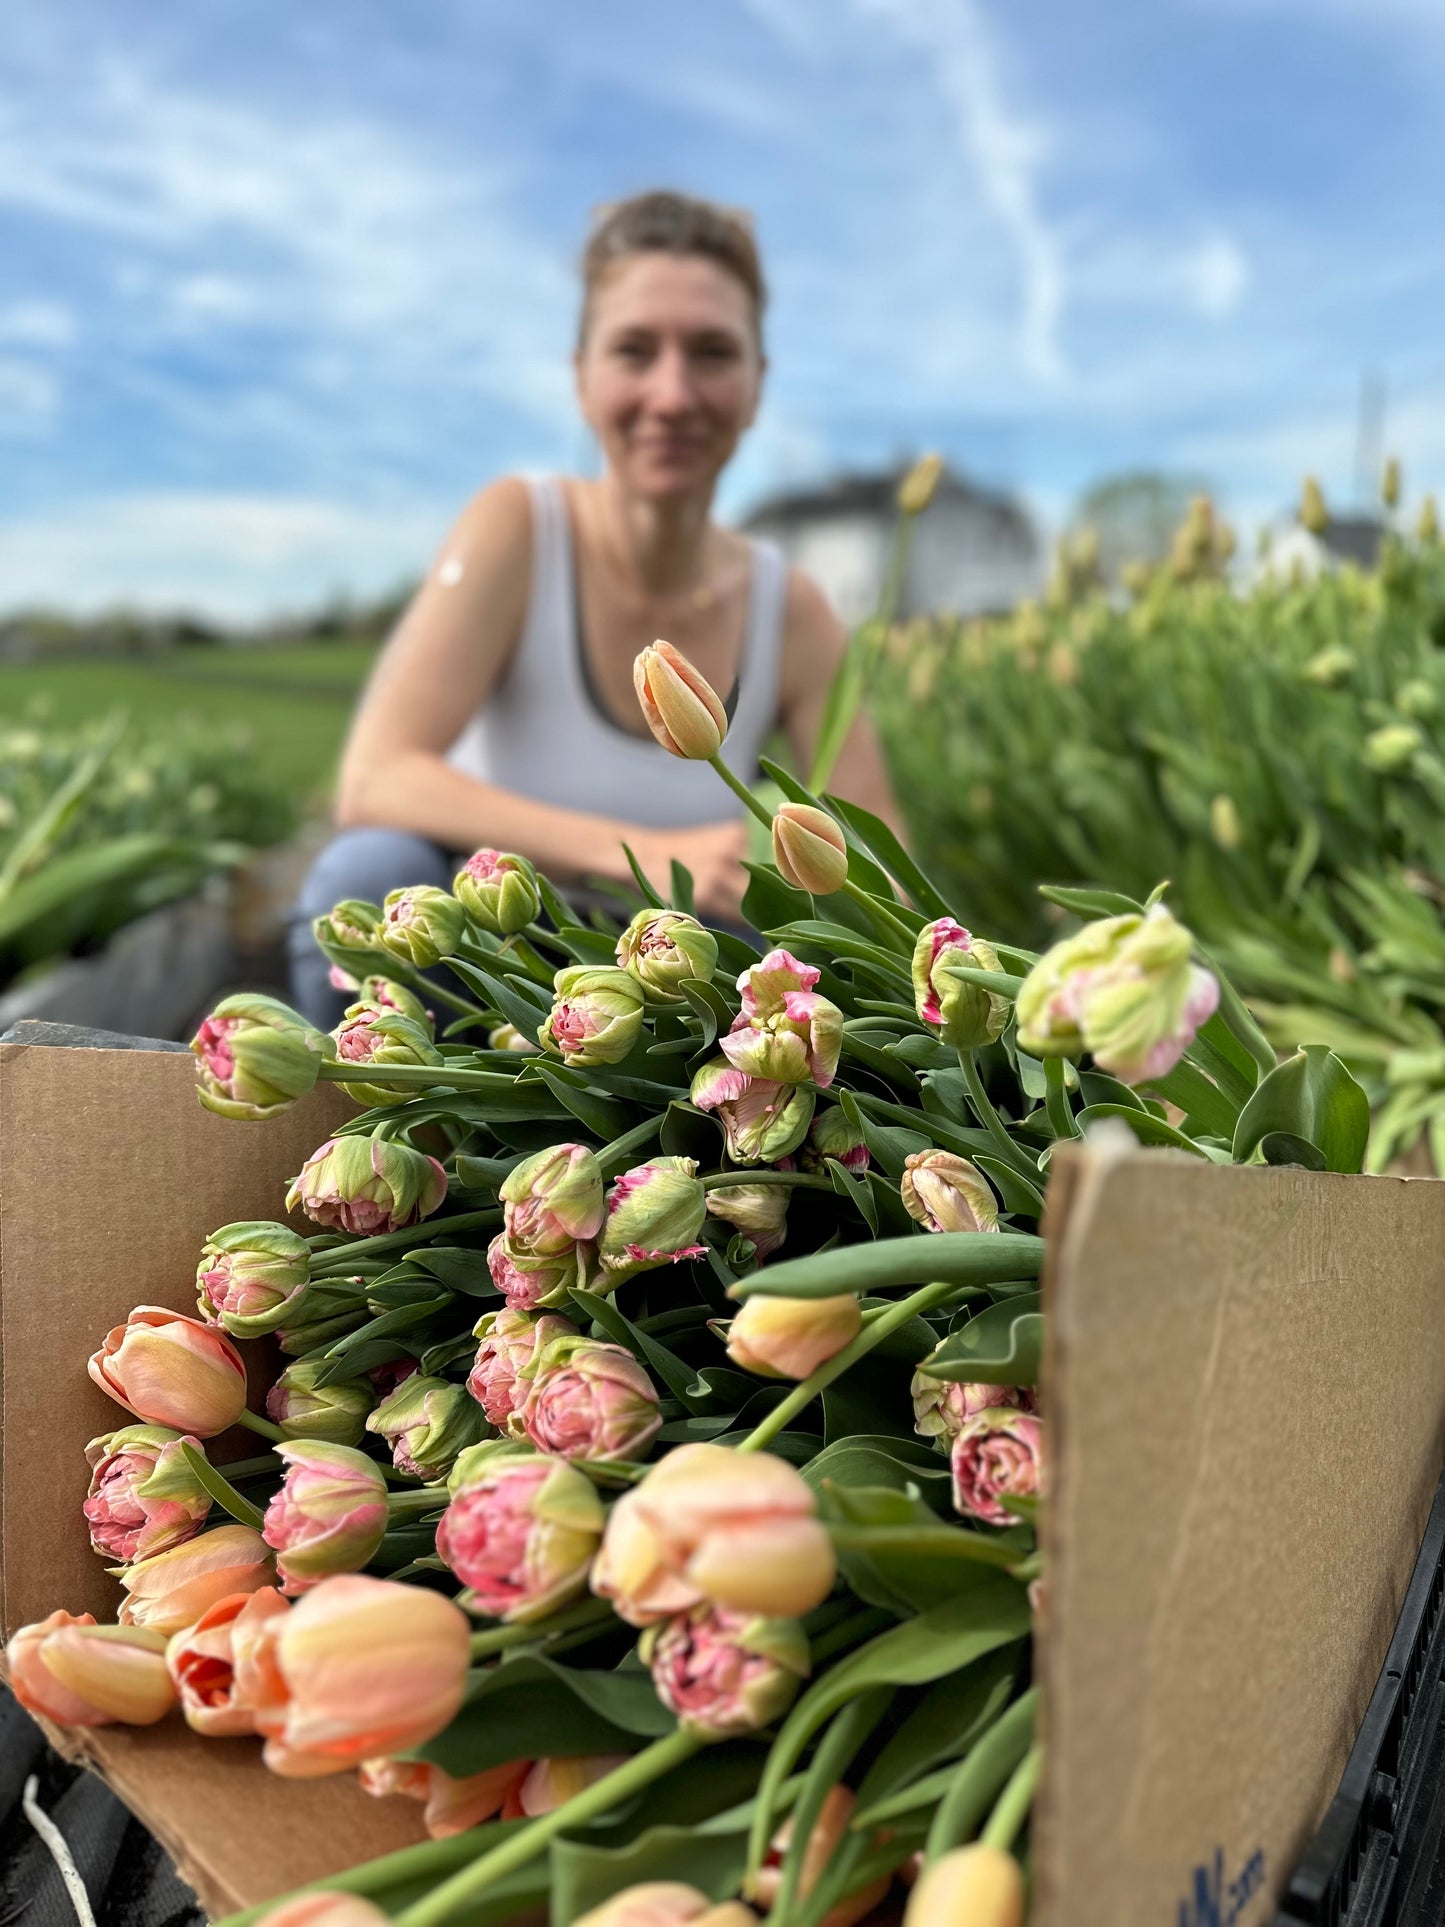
x,y
29,395
1216,275
38,324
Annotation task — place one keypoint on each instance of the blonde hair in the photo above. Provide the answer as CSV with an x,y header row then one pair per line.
x,y
663,222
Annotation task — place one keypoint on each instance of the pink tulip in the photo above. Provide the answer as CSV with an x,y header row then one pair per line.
x,y
525,1282
174,1371
202,1665
654,1215
520,1532
998,1455
367,1185
509,1340
143,1498
548,1784
944,1192
708,1523
68,1669
785,1031
792,1337
553,1201
964,1014
172,1589
942,1407
758,1211
452,1806
588,1400
725,1672
329,1515
357,1667
762,1120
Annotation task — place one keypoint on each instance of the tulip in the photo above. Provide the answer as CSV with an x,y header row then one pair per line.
x,y
829,1830
942,1407
553,1201
422,924
333,1307
764,987
758,1211
973,1886
724,1673
452,1806
683,710
324,1910
738,1529
1392,748
1330,666
426,1422
172,1589
1313,513
587,1400
498,891
997,1455
509,1339
329,1515
368,1035
68,1669
596,1015
798,1044
171,1370
1390,484
143,1497
335,1413
257,1056
384,993
665,1903
832,1136
965,1015
809,849
1123,988
525,1282
551,1783
1427,528
349,936
508,1037
664,949
252,1277
356,1668
944,1192
792,1337
762,1121
916,489
520,1532
654,1215
367,1185
201,1662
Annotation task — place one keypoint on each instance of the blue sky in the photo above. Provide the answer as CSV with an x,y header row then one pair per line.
x,y
280,285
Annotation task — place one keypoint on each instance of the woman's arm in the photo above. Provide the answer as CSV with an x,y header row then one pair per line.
x,y
442,662
814,641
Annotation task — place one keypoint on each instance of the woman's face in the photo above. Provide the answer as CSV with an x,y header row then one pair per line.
x,y
669,374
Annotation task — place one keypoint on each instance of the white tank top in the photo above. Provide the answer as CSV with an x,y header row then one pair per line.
x,y
542,733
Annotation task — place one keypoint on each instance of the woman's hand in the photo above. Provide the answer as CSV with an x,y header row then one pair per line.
x,y
714,855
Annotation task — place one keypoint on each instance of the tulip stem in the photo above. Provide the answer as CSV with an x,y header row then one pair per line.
x,y
928,1542
415,1502
741,790
268,1465
987,1116
1014,1802
797,1180
262,1427
341,1257
582,1613
425,987
601,1797
880,913
802,1395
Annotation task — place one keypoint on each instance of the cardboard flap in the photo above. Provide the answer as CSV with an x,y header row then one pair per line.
x,y
1245,1393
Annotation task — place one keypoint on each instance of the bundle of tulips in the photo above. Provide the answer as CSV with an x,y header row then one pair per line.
x,y
681,1581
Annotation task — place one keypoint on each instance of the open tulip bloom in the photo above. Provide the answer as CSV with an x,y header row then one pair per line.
x,y
558,1349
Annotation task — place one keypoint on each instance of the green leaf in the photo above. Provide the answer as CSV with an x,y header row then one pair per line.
x,y
879,1461
605,1117
1310,1096
945,1724
220,1488
1018,1194
650,895
509,1705
618,1156
458,1269
710,1006
1091,903
1002,1346
877,837
947,1257
1207,1110
504,995
682,898
669,1367
1279,1147
1145,1126
847,1186
769,902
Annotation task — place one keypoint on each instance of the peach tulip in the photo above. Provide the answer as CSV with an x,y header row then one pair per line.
x,y
974,1886
829,1830
809,849
452,1806
68,1669
201,1662
683,710
172,1370
171,1590
325,1910
666,1903
791,1337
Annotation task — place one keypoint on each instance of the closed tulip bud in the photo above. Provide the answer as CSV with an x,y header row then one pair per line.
x,y
172,1371
521,1531
944,1192
664,949
498,891
252,1277
1427,528
384,993
508,1037
368,1035
329,1515
1329,667
1312,511
1392,748
997,1456
762,1120
509,1340
1224,824
1417,698
68,1669
143,1497
257,1056
1124,988
828,1833
335,1413
331,1309
832,1136
586,1400
367,1185
964,1014
683,710
724,1673
422,924
552,1201
1390,484
758,1211
654,1215
915,491
324,1910
172,1589
452,1805
526,1282
738,1529
201,1660
356,1668
349,937
666,1903
973,1886
809,849
792,1337
942,1407
426,1422
596,1015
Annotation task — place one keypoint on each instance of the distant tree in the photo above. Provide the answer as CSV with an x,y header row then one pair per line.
x,y
1134,515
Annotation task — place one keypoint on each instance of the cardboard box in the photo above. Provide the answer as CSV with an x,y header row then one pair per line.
x,y
1246,1397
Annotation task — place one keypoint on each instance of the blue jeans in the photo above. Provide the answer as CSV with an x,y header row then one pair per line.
x,y
365,863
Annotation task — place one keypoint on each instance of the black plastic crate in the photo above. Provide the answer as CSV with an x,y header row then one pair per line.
x,y
1378,1859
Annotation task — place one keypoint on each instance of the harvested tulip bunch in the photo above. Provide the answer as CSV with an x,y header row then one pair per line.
x,y
651,1487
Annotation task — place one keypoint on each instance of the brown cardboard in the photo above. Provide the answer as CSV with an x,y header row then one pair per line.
x,y
1245,1389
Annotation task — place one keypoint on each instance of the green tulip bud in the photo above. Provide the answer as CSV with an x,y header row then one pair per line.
x,y
426,1422
253,1277
422,924
498,891
665,948
596,1017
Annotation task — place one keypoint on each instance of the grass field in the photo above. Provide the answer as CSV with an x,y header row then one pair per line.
x,y
296,700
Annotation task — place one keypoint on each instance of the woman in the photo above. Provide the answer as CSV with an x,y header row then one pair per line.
x,y
502,710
